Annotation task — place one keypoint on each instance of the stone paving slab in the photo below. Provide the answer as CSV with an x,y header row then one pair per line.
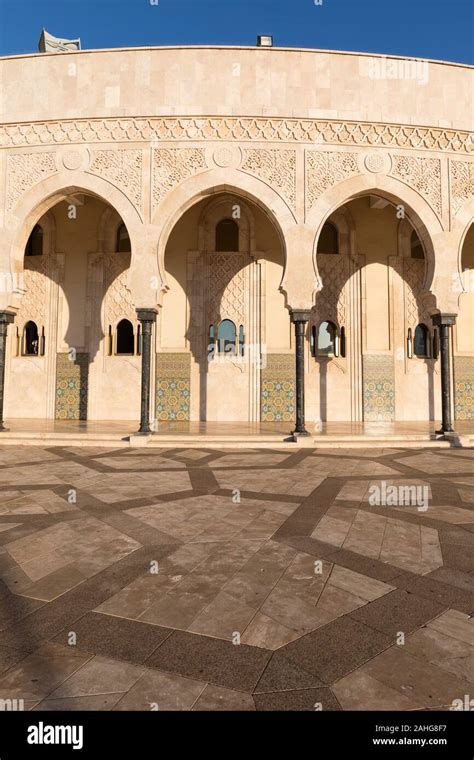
x,y
188,579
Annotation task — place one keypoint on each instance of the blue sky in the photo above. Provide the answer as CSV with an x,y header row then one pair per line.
x,y
442,29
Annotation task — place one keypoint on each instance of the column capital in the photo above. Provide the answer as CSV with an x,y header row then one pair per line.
x,y
7,317
147,315
443,319
300,315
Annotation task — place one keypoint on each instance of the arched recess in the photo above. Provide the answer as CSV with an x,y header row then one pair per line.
x,y
368,291
207,185
463,332
415,208
208,286
46,194
76,339
30,378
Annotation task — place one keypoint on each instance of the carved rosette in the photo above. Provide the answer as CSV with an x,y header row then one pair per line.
x,y
25,170
123,168
461,174
173,165
275,167
422,174
325,169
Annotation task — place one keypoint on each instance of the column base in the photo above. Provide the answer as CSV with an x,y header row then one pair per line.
x,y
444,430
300,434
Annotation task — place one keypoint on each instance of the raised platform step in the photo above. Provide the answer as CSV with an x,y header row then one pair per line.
x,y
231,441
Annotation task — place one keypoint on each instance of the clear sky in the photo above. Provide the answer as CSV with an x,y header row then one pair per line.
x,y
442,29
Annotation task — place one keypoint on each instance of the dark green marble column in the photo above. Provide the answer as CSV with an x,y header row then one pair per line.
x,y
300,319
444,322
6,318
147,319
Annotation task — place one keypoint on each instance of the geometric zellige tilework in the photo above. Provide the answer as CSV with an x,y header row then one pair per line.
x,y
173,386
71,386
278,388
464,387
379,387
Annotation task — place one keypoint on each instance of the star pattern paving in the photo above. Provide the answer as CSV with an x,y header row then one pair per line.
x,y
197,579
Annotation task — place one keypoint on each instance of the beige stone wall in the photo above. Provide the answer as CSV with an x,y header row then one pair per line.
x,y
295,135
245,81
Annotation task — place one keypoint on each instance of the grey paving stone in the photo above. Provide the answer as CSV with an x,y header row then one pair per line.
x,y
398,611
212,660
306,700
116,637
336,649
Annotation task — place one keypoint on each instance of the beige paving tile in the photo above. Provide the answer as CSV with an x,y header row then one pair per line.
x,y
216,698
161,691
359,691
38,674
267,633
455,624
223,617
358,584
99,675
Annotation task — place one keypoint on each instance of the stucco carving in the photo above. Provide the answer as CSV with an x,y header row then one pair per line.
x,y
35,301
226,288
277,167
331,132
334,271
423,174
324,169
124,169
413,276
171,166
462,183
118,298
24,170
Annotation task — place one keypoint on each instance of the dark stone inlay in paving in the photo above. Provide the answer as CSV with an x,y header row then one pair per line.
x,y
213,660
334,650
398,611
307,700
116,637
283,675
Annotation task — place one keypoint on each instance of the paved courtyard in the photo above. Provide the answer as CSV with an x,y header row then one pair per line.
x,y
250,580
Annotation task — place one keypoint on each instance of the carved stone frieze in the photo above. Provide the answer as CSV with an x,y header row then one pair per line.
x,y
277,167
325,169
25,170
124,169
173,165
316,131
461,174
422,174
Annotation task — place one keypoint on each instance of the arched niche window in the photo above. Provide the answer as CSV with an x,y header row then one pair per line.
x,y
328,240
125,339
416,247
227,235
421,341
30,340
327,341
226,337
34,246
123,240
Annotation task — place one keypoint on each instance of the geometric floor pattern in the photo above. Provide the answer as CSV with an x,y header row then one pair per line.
x,y
194,579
